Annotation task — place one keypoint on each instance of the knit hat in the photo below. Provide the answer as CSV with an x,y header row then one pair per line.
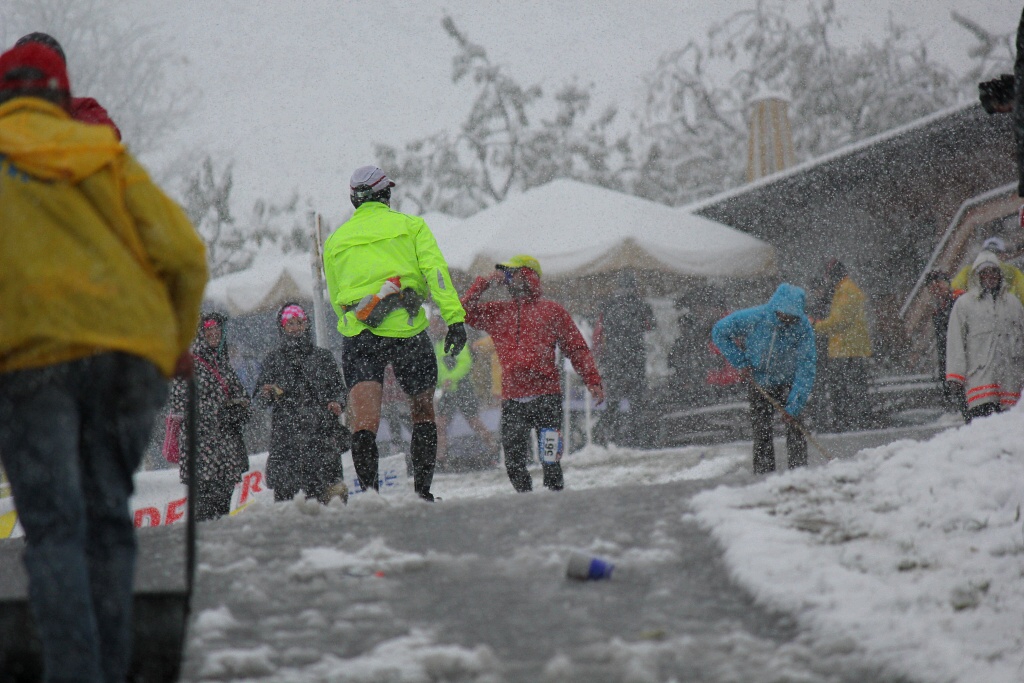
x,y
367,181
35,69
43,39
293,312
520,261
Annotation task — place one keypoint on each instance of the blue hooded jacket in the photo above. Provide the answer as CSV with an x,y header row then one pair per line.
x,y
777,353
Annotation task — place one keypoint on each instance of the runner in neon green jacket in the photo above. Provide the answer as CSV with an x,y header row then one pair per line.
x,y
380,266
378,243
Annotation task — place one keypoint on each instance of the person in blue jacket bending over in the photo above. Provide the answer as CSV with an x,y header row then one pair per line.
x,y
773,346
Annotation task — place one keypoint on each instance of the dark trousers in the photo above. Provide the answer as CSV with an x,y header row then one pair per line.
x,y
984,410
517,419
71,436
848,385
761,414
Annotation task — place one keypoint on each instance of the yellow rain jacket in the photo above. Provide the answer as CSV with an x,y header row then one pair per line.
x,y
846,325
374,245
93,256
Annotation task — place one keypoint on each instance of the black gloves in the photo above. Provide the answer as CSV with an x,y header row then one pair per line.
x,y
455,340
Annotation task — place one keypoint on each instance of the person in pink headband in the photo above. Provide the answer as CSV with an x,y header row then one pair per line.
x,y
303,386
293,312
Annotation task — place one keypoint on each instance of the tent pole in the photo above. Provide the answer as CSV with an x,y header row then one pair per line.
x,y
317,265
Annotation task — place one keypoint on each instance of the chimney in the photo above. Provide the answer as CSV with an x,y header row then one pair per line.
x,y
770,147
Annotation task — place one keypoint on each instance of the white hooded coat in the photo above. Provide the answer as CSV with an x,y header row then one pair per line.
x,y
985,344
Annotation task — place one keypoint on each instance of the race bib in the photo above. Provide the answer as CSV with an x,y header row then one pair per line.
x,y
550,445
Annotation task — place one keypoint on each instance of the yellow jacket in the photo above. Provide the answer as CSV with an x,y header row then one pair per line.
x,y
846,325
93,256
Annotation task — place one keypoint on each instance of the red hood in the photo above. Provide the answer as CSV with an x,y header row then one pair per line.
x,y
533,281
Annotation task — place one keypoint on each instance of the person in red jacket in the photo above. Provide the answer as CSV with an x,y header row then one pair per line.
x,y
82,109
526,330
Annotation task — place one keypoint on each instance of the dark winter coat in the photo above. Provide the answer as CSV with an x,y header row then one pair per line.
x,y
222,410
525,332
305,448
619,339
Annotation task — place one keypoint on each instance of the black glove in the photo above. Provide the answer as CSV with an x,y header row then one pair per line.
x,y
997,95
455,340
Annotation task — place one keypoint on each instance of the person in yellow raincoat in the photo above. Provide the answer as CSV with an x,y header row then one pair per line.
x,y
101,278
849,348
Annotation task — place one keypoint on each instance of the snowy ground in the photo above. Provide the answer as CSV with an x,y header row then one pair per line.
x,y
900,564
912,550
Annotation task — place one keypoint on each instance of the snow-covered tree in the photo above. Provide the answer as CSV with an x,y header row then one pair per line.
x,y
694,130
232,245
500,148
120,62
207,202
991,55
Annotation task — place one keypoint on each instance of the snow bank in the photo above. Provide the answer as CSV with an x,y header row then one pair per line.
x,y
913,550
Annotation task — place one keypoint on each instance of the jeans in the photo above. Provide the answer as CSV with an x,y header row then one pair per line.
x,y
71,436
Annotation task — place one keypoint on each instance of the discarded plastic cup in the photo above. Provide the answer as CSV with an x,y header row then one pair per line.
x,y
586,568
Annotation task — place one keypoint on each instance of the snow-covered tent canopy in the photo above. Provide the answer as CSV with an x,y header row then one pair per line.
x,y
575,229
270,281
458,246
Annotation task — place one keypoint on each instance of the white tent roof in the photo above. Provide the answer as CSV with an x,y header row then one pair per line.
x,y
576,229
458,246
271,280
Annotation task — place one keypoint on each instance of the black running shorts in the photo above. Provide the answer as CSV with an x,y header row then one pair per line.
x,y
365,356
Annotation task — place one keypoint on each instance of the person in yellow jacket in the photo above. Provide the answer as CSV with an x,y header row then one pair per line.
x,y
101,279
1013,278
849,347
380,266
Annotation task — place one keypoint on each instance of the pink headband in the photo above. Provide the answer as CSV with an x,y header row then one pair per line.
x,y
212,322
292,312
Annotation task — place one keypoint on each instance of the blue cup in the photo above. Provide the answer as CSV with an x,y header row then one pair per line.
x,y
586,568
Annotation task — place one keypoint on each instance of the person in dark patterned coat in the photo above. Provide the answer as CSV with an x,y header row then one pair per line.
x,y
304,386
222,411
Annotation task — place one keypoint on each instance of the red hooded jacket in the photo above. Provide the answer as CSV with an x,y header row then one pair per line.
x,y
525,333
88,110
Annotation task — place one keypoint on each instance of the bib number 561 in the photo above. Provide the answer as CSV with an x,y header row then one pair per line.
x,y
550,446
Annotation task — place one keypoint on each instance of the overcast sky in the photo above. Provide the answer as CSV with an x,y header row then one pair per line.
x,y
297,92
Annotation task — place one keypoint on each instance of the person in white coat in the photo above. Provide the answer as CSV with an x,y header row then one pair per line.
x,y
985,341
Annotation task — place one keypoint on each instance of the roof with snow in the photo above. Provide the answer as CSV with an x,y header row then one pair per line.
x,y
577,229
878,204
